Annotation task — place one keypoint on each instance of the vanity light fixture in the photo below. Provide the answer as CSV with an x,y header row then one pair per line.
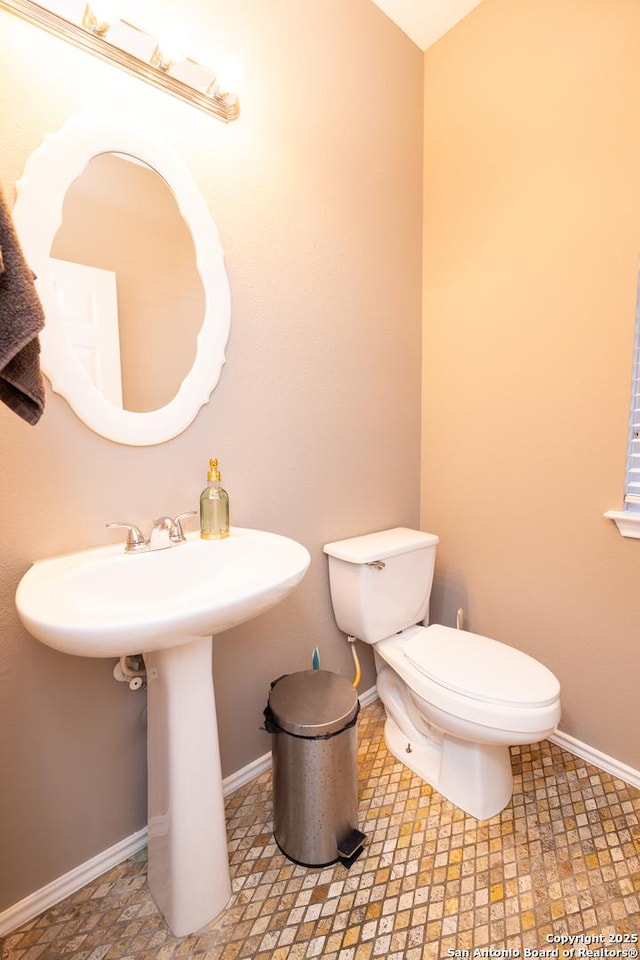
x,y
132,49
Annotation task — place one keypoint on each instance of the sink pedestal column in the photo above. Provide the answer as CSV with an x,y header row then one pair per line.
x,y
188,870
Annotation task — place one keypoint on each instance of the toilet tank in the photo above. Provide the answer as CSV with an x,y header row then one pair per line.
x,y
381,582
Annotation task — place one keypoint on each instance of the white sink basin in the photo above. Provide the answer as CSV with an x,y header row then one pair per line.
x,y
167,604
105,603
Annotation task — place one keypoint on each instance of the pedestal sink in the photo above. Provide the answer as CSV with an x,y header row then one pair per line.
x,y
167,604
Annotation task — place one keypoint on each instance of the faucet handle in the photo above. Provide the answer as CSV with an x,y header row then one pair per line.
x,y
177,534
136,541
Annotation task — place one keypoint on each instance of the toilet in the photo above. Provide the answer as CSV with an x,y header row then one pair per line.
x,y
455,701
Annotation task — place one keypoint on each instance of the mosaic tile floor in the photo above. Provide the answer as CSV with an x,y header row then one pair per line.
x,y
560,866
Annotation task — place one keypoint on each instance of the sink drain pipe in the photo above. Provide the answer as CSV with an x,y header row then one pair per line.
x,y
131,669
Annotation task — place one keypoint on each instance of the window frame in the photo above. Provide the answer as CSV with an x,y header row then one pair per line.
x,y
628,519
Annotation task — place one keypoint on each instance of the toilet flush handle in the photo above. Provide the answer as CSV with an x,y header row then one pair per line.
x,y
378,564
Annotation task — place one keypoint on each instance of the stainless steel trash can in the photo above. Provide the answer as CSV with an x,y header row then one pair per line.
x,y
312,717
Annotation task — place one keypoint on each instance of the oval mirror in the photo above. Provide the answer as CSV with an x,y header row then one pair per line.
x,y
131,275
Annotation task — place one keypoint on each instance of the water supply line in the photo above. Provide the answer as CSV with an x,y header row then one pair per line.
x,y
352,643
315,660
351,640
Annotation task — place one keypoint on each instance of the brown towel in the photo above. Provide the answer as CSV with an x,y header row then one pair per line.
x,y
21,319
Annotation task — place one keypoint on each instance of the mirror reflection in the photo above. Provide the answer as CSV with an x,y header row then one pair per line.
x,y
124,271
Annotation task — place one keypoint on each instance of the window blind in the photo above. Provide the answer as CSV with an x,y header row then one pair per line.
x,y
632,479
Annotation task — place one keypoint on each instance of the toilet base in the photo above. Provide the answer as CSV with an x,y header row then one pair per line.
x,y
476,777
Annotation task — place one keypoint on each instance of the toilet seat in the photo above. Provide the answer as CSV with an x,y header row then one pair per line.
x,y
514,713
481,668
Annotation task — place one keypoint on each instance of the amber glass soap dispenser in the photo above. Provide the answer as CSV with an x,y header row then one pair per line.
x,y
214,507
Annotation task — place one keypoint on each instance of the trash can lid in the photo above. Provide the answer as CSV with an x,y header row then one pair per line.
x,y
313,703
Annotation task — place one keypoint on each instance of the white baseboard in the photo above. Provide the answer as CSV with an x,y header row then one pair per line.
x,y
368,696
51,894
601,760
48,896
242,777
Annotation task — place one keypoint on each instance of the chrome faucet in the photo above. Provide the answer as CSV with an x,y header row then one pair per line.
x,y
177,533
164,533
161,532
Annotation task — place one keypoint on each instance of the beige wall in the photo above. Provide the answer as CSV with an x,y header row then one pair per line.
x,y
316,192
531,226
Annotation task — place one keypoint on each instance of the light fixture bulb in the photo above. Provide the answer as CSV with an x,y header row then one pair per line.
x,y
195,75
72,10
133,40
230,74
106,11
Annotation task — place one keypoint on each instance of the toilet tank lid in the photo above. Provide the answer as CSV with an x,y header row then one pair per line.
x,y
381,545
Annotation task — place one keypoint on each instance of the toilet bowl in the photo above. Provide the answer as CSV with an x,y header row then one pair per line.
x,y
455,701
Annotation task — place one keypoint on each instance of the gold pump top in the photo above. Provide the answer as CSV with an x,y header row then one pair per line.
x,y
214,473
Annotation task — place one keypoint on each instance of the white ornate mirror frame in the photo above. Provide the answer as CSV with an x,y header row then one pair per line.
x,y
48,174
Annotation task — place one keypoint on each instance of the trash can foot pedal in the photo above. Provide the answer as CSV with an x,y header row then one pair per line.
x,y
351,847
